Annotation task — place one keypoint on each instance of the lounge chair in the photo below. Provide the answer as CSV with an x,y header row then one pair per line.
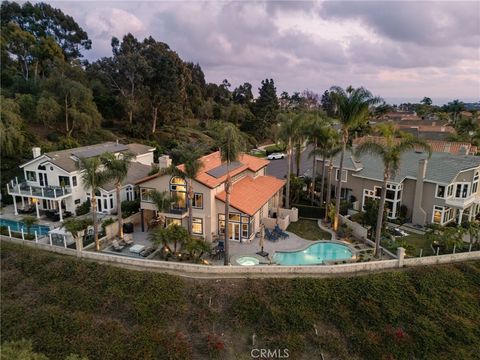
x,y
270,235
116,246
147,251
128,239
280,232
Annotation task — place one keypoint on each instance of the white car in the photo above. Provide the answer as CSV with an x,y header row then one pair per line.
x,y
276,156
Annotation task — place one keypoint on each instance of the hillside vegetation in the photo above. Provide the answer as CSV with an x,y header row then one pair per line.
x,y
65,305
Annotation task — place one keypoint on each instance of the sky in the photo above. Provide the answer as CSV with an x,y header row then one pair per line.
x,y
399,50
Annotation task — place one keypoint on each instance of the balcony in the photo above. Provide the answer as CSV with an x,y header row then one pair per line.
x,y
42,192
462,203
175,210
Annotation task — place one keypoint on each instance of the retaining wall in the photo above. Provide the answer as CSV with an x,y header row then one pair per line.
x,y
204,271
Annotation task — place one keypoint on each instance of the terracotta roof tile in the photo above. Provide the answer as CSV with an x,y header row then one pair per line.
x,y
249,195
214,160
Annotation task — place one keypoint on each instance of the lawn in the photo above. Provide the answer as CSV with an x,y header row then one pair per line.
x,y
65,305
308,229
418,242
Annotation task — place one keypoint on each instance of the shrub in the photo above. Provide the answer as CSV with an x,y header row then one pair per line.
x,y
274,148
107,222
83,208
307,211
130,207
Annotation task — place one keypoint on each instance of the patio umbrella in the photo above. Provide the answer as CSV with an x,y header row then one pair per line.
x,y
261,241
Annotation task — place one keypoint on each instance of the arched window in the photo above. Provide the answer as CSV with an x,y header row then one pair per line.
x,y
178,189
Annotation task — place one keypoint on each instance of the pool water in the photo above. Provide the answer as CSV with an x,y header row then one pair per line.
x,y
248,261
315,254
18,225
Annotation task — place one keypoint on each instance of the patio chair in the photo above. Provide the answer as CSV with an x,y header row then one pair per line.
x,y
116,246
147,251
280,232
128,239
270,235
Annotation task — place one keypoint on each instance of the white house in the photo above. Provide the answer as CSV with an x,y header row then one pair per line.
x,y
53,180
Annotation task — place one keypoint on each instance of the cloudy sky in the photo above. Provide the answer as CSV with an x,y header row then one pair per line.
x,y
398,50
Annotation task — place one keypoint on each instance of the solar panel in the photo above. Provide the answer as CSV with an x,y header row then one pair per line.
x,y
99,150
221,170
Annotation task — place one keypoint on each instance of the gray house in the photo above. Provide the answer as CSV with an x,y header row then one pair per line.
x,y
441,189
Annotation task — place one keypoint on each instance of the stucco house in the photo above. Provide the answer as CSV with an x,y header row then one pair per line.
x,y
254,196
53,180
440,189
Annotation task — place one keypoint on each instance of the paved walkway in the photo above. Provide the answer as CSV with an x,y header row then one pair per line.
x,y
327,229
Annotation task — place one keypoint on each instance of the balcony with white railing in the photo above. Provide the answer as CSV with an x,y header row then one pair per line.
x,y
43,192
463,203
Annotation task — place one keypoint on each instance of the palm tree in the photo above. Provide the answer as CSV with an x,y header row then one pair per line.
x,y
290,126
174,234
195,248
29,221
352,110
191,154
117,170
93,178
331,148
318,133
162,199
75,226
389,148
231,143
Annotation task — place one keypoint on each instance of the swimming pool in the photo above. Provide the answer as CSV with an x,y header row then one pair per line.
x,y
18,225
314,254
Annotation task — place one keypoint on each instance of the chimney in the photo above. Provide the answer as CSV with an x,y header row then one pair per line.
x,y
164,161
36,152
419,216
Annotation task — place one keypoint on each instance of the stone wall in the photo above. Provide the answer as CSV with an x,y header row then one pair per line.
x,y
203,271
358,230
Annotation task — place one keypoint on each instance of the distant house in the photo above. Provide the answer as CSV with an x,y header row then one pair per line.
x,y
54,182
439,190
254,196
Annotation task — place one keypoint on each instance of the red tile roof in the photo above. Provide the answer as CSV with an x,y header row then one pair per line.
x,y
437,145
214,160
249,195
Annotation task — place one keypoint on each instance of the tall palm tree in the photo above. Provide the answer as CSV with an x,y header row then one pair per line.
x,y
290,127
352,107
191,153
317,131
390,147
331,149
231,144
117,170
93,178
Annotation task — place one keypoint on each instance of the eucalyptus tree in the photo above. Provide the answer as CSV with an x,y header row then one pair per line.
x,y
352,109
389,148
231,144
93,178
117,170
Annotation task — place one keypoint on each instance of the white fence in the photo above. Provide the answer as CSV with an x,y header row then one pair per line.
x,y
204,271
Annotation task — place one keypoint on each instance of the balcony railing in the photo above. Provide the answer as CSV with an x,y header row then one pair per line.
x,y
462,202
47,192
174,209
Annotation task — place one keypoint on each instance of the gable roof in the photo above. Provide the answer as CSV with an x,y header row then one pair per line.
x,y
250,194
441,167
213,161
136,172
63,158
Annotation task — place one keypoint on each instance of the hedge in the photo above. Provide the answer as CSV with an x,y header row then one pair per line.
x,y
307,211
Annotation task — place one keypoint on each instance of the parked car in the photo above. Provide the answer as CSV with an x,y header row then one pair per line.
x,y
399,232
276,156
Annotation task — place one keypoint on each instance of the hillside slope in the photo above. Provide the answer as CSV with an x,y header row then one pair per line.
x,y
64,305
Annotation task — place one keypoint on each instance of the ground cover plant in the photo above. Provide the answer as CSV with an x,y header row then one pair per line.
x,y
69,306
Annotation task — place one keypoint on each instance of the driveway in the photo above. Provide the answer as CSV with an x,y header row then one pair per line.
x,y
278,168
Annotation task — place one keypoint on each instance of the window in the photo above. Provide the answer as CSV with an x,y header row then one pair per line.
x,y
443,215
74,180
64,181
130,194
145,194
111,203
450,190
41,167
197,201
170,221
77,201
475,183
440,193
197,226
437,214
178,189
245,230
344,175
31,175
461,190
105,203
